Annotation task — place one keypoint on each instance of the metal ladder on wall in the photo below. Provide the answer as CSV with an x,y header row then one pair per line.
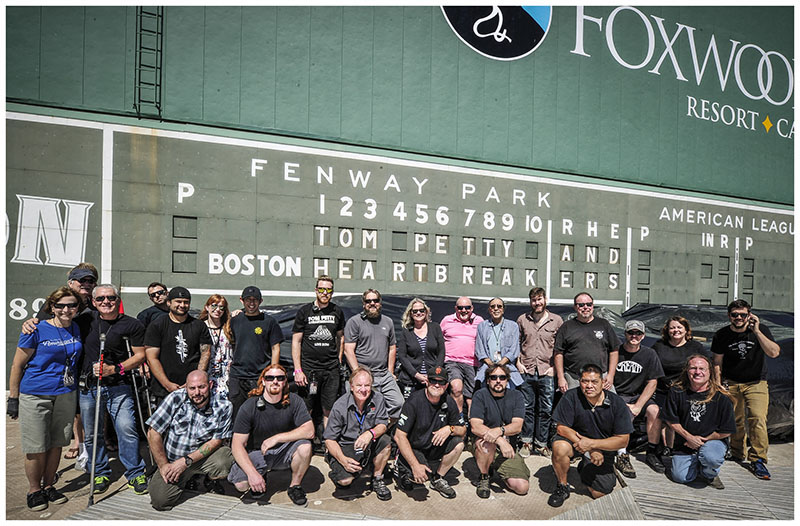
x,y
149,61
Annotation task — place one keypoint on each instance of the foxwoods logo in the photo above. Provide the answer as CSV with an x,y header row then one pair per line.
x,y
500,32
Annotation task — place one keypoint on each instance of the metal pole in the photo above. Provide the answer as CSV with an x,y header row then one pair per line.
x,y
97,403
136,395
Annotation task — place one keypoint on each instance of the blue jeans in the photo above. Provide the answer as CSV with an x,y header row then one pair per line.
x,y
118,400
708,459
538,393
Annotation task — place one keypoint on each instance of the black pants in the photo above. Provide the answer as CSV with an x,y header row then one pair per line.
x,y
238,389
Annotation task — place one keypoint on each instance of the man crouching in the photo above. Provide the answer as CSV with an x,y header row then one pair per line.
x,y
273,430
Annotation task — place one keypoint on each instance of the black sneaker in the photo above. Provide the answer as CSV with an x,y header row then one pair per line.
x,y
55,496
138,484
559,495
666,452
483,490
213,486
298,495
623,465
380,488
37,501
443,487
101,484
652,460
760,470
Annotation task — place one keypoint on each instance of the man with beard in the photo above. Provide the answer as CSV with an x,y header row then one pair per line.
x,y
186,436
317,339
739,351
256,343
430,434
460,330
495,419
175,345
273,430
593,423
582,340
701,414
157,292
116,394
369,341
538,330
356,435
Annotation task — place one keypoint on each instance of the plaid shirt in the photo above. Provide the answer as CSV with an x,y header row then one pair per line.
x,y
186,427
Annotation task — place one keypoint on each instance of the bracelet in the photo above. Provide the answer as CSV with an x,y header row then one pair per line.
x,y
121,370
297,370
502,431
373,434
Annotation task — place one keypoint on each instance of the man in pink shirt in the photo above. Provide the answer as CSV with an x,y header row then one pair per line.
x,y
460,330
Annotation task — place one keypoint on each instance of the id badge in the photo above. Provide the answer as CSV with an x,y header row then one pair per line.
x,y
69,378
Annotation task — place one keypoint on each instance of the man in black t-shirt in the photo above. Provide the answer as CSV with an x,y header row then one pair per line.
x,y
593,423
638,371
157,292
175,345
429,432
116,393
317,338
495,417
272,431
739,359
583,340
256,344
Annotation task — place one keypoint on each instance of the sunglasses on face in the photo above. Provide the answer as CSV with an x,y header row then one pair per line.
x,y
464,307
498,377
739,314
101,299
634,333
441,383
323,290
495,306
157,293
371,302
216,306
90,281
418,311
65,306
584,304
271,378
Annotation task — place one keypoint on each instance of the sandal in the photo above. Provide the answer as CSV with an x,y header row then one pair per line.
x,y
71,453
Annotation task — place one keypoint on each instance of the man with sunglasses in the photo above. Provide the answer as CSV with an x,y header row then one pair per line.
x,y
116,390
157,292
175,345
739,351
317,339
272,431
637,375
429,435
369,341
460,331
582,340
496,418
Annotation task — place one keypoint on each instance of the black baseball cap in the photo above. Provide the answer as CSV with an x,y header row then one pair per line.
x,y
80,273
179,292
438,373
251,292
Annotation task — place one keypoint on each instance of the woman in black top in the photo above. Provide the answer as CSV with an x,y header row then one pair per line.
x,y
420,347
673,349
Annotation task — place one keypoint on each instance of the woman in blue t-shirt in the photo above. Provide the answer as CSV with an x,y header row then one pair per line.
x,y
42,387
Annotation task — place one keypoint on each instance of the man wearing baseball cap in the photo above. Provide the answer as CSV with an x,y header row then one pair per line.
x,y
429,436
257,343
175,345
637,374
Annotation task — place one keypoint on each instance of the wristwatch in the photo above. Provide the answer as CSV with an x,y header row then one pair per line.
x,y
188,460
452,430
502,431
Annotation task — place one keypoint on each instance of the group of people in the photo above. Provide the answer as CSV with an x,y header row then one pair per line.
x,y
219,404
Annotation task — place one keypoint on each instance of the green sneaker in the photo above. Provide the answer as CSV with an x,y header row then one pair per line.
x,y
101,484
138,484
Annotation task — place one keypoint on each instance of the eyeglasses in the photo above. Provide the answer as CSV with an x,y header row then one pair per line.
x,y
157,293
634,333
464,307
323,290
271,378
419,311
216,306
589,304
101,299
496,306
438,382
88,280
739,314
498,377
370,302
65,306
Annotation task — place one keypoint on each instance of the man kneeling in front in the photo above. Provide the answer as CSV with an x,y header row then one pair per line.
x,y
594,424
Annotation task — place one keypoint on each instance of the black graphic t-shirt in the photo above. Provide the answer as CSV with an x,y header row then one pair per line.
x,y
179,345
419,418
684,408
253,338
635,369
673,360
115,350
318,349
743,359
584,343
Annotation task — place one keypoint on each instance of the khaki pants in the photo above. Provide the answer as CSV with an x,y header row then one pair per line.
x,y
164,496
752,398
